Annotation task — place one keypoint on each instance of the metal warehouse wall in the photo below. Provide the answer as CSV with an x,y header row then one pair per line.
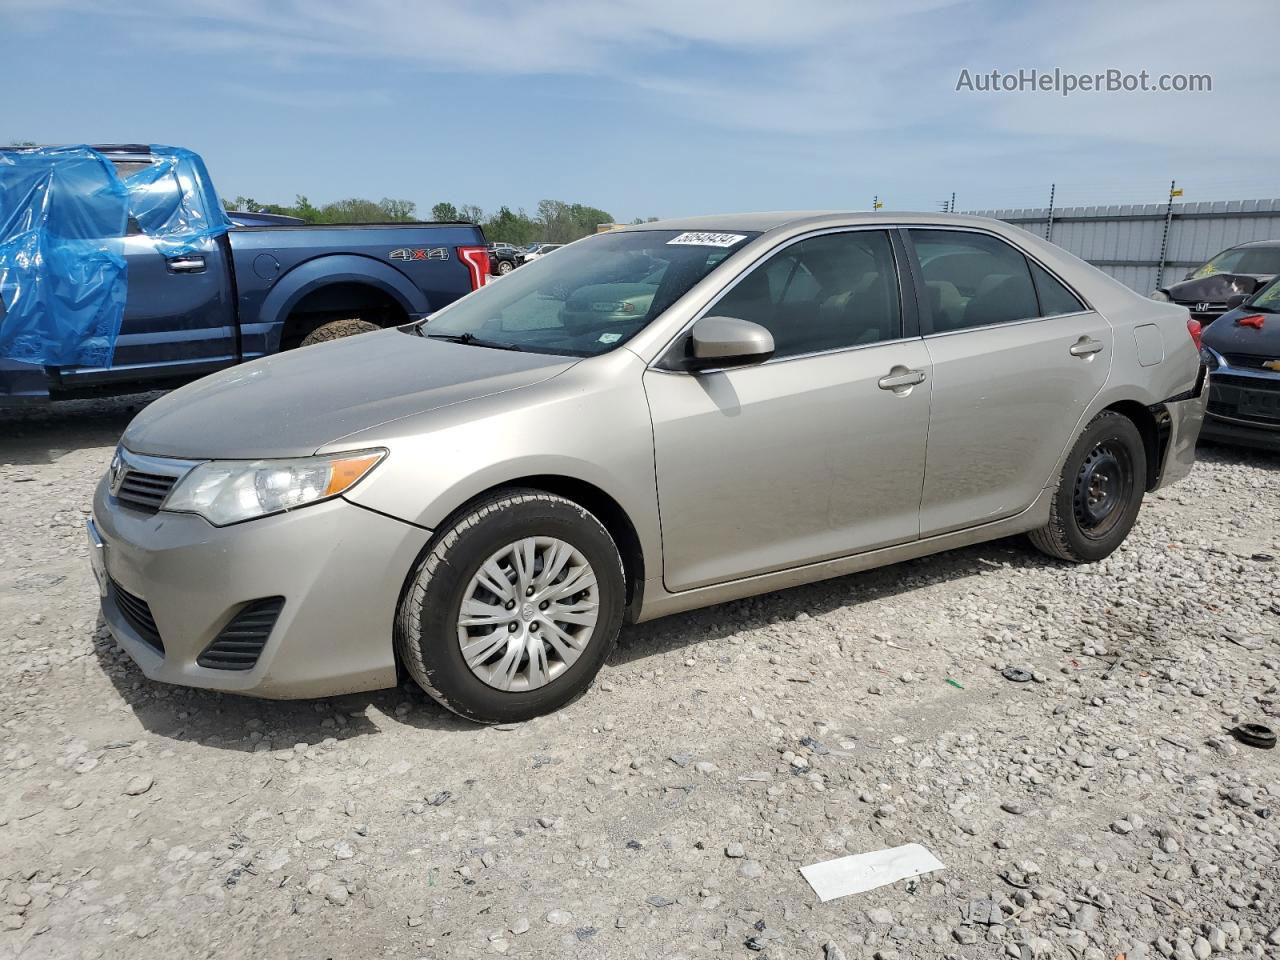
x,y
1130,243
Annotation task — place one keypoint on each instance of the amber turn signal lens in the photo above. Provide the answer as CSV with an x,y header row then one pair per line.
x,y
343,473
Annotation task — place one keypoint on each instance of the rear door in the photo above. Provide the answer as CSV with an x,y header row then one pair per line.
x,y
1017,358
179,318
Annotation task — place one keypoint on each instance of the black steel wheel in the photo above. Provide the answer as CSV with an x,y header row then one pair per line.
x,y
1100,490
1103,486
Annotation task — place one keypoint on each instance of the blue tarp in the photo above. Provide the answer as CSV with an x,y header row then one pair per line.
x,y
64,213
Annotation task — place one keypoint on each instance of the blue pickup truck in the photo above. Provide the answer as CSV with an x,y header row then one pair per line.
x,y
248,288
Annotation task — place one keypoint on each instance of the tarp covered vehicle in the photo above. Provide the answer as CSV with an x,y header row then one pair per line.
x,y
119,270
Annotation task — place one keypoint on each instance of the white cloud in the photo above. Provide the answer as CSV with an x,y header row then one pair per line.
x,y
811,68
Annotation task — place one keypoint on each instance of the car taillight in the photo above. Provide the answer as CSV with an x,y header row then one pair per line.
x,y
477,261
1194,328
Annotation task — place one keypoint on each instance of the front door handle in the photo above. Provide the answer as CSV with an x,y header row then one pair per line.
x,y
1086,346
896,381
186,264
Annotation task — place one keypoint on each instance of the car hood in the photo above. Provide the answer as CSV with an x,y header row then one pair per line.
x,y
1225,335
1215,287
292,404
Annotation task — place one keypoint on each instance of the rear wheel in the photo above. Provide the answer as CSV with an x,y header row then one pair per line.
x,y
1099,492
514,609
337,329
505,267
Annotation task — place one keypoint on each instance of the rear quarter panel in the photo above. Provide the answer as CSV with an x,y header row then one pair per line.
x,y
277,266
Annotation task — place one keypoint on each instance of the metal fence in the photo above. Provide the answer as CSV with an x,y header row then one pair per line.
x,y
1138,244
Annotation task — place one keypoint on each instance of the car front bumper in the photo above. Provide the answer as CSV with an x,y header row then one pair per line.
x,y
173,583
1244,408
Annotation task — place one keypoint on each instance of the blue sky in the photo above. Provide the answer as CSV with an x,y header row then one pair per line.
x,y
657,107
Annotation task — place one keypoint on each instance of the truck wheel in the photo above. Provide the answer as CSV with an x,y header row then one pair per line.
x,y
514,609
505,267
1099,492
336,329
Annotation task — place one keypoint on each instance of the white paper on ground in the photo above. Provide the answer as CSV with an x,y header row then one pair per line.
x,y
866,871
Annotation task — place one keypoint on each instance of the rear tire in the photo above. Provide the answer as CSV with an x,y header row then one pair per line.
x,y
1099,492
544,587
337,329
505,267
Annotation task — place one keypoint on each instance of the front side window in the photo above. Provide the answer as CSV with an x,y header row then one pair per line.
x,y
591,297
973,280
825,293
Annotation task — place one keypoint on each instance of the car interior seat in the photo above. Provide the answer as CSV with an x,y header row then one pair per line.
x,y
999,299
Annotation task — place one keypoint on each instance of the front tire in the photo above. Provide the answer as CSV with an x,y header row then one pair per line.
x,y
514,609
505,267
1099,492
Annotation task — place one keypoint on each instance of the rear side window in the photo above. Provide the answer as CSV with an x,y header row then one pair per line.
x,y
127,168
973,280
826,293
1055,299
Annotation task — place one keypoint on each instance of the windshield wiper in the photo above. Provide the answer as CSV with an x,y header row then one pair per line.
x,y
1259,307
473,340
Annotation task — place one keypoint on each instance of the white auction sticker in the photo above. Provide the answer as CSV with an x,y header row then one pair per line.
x,y
707,239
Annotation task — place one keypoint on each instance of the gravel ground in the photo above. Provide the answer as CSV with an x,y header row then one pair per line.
x,y
1099,809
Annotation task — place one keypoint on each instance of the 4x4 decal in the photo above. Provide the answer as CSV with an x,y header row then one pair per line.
x,y
419,253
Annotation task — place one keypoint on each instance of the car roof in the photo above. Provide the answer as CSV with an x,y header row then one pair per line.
x,y
1256,243
766,221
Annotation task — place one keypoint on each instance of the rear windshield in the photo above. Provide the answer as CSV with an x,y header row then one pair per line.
x,y
592,296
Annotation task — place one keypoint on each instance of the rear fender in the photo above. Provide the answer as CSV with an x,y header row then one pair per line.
x,y
324,271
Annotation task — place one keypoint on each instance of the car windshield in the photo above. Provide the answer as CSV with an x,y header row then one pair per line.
x,y
1255,260
591,297
1268,298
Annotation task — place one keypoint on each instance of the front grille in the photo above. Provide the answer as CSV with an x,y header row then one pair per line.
x,y
1230,397
1207,316
240,643
137,614
146,491
1247,360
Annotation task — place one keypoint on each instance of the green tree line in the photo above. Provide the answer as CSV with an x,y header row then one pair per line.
x,y
554,222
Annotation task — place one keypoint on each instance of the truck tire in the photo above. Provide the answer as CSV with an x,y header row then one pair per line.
x,y
336,329
514,608
1099,492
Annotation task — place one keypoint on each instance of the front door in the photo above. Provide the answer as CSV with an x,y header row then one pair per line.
x,y
816,453
179,316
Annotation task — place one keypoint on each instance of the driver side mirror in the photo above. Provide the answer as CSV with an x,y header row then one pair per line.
x,y
717,342
1236,299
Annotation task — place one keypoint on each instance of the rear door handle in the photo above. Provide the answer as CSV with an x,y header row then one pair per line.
x,y
186,264
1086,346
896,381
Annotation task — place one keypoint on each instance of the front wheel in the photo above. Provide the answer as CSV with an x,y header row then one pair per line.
x,y
1099,492
505,267
514,609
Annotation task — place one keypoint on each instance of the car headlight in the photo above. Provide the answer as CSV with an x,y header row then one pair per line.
x,y
1210,358
1161,296
229,491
